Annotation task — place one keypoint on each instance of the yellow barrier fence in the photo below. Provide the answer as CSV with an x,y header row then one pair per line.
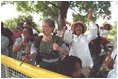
x,y
29,70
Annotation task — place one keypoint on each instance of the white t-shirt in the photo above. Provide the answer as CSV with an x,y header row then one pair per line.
x,y
104,32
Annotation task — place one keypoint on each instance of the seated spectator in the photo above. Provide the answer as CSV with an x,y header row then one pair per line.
x,y
71,66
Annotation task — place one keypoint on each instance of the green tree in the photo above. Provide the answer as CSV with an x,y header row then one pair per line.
x,y
113,31
18,22
10,23
57,10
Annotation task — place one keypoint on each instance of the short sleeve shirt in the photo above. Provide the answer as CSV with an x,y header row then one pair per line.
x,y
46,48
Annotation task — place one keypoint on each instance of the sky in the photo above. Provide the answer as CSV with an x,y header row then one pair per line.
x,y
9,11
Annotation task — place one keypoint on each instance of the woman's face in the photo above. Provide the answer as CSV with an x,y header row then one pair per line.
x,y
25,32
46,29
78,29
77,72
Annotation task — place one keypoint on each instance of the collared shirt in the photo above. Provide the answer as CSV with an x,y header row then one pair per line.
x,y
79,44
23,48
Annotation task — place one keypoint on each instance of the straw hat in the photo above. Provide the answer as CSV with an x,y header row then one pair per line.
x,y
82,24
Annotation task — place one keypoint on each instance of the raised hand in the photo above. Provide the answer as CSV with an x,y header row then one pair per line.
x,y
64,28
67,22
26,39
90,15
55,46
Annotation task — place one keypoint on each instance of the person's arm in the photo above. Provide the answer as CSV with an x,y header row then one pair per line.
x,y
17,46
60,49
33,54
64,29
68,35
68,23
92,28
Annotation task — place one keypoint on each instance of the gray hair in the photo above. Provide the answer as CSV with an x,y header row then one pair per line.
x,y
50,22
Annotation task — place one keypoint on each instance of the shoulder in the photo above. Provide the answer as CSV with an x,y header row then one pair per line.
x,y
37,41
39,38
4,38
18,39
58,39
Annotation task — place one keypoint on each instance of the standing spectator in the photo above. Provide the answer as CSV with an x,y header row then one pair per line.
x,y
71,66
98,51
22,46
4,41
49,47
8,33
79,42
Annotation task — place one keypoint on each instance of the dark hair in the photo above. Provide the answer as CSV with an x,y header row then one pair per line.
x,y
30,33
109,26
2,24
8,33
29,30
67,66
50,22
2,28
28,23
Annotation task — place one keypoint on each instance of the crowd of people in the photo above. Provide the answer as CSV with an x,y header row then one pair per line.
x,y
75,54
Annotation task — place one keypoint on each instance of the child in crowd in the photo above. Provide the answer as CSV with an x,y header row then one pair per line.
x,y
105,30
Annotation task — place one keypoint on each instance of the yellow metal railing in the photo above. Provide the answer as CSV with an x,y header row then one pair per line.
x,y
29,70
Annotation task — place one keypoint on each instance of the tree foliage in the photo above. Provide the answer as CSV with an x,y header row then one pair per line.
x,y
18,22
57,10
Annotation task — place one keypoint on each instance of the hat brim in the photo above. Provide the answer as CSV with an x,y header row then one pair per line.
x,y
81,23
